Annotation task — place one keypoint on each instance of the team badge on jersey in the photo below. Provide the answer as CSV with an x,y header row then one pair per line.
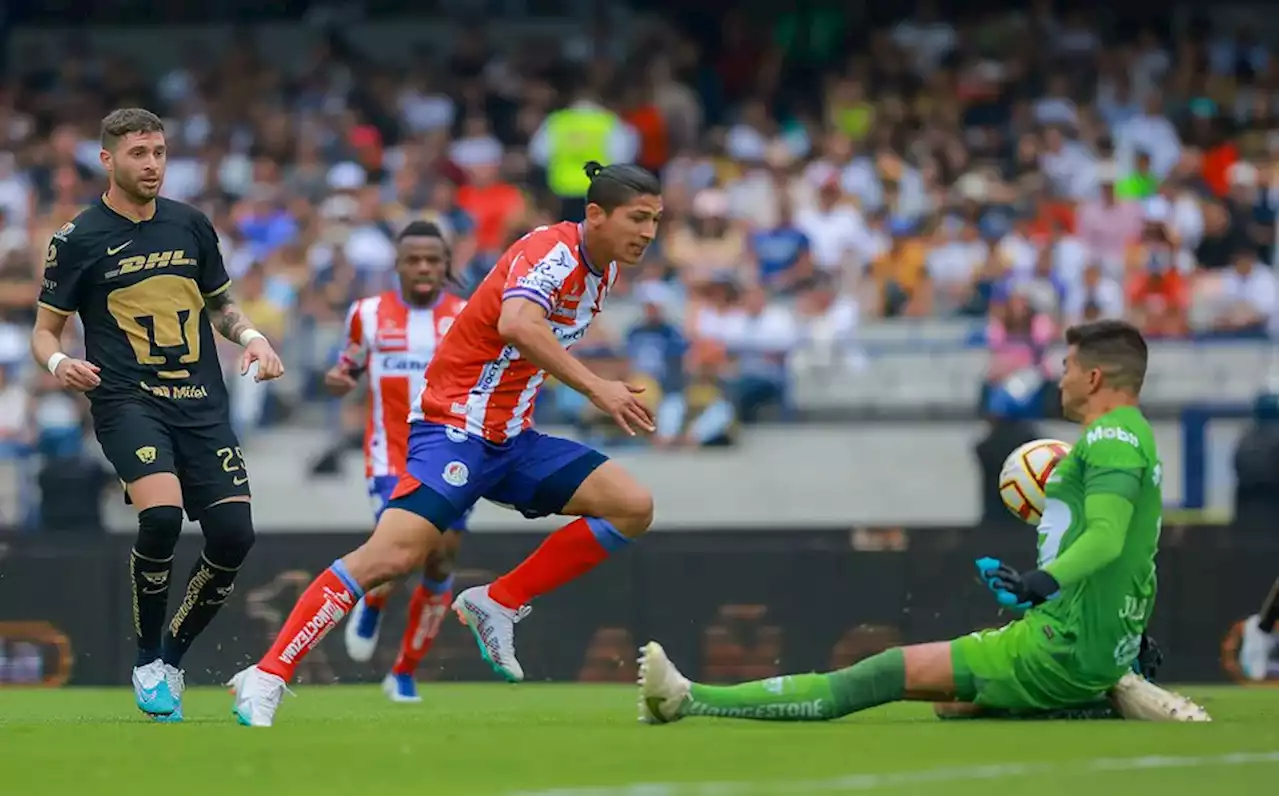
x,y
64,231
456,474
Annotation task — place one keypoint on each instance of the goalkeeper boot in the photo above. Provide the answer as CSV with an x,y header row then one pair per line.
x,y
151,689
1256,646
494,629
662,688
1136,698
361,632
257,696
177,681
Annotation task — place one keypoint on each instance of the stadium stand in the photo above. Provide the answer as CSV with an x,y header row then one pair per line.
x,y
889,220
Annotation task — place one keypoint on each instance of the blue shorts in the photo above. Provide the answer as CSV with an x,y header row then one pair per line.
x,y
381,488
448,471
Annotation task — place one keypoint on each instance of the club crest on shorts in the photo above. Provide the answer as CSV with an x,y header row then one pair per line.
x,y
146,454
456,474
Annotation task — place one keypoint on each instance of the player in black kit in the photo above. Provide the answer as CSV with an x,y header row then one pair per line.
x,y
147,279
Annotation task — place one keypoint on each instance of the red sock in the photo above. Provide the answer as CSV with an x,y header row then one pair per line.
x,y
377,600
569,553
426,615
319,610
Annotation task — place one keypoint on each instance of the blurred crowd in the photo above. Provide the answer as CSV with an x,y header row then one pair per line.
x,y
1032,169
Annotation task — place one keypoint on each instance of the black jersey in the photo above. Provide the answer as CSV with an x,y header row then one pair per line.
x,y
140,289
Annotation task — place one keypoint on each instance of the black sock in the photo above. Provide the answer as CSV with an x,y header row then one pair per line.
x,y
1267,617
207,589
150,578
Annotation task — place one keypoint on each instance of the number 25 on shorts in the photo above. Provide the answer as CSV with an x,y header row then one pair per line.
x,y
233,462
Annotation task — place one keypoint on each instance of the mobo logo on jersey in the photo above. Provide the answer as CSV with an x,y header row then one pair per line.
x,y
1111,432
164,259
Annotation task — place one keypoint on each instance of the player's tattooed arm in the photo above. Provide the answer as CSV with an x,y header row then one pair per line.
x,y
226,316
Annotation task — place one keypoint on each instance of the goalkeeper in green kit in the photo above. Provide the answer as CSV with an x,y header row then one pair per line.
x,y
1086,603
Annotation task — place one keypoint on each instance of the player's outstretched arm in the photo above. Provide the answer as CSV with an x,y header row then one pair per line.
x,y
233,324
46,347
523,324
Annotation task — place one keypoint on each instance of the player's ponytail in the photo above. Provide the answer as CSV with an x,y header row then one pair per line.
x,y
615,185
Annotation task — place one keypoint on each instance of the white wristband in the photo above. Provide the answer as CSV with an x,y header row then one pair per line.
x,y
249,335
55,361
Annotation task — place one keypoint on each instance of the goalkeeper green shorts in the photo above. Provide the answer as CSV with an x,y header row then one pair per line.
x,y
1019,667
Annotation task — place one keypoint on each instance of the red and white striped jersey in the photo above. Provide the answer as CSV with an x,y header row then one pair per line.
x,y
479,383
394,342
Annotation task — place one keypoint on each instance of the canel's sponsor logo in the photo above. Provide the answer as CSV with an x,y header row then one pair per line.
x,y
402,363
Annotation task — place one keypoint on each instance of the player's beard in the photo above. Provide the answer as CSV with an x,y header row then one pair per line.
x,y
133,187
421,298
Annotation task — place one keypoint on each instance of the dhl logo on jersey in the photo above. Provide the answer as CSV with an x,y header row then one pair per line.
x,y
145,262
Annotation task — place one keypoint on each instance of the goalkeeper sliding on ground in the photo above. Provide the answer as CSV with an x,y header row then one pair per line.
x,y
1086,603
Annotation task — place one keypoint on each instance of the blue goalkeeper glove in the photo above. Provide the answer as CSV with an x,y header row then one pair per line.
x,y
1013,590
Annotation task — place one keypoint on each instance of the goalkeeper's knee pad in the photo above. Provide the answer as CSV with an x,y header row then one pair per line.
x,y
158,530
228,533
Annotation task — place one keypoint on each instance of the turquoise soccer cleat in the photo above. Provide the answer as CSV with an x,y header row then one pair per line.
x,y
177,682
151,689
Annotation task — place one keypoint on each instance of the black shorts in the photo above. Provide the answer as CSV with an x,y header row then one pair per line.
x,y
206,458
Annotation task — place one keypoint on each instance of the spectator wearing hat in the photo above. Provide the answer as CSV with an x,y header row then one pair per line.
x,y
901,274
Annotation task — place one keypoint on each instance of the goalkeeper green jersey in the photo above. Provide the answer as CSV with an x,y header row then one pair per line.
x,y
1098,538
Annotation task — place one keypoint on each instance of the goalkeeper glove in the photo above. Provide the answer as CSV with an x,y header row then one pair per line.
x,y
1013,590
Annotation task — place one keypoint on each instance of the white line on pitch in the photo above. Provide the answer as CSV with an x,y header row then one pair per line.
x,y
887,781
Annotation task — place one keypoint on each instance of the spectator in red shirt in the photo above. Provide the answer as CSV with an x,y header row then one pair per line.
x,y
1157,290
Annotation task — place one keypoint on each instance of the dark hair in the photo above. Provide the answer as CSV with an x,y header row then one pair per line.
x,y
615,185
120,123
422,229
1117,348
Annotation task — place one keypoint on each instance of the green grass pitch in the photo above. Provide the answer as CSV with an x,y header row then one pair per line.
x,y
579,740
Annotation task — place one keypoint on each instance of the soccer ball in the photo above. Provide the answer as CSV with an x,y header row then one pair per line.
x,y
1024,475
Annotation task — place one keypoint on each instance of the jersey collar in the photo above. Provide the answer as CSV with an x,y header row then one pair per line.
x,y
409,305
102,200
582,250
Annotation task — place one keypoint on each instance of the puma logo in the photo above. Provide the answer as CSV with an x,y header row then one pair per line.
x,y
118,249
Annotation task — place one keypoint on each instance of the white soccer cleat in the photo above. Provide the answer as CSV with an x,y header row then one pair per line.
x,y
1138,699
494,628
1256,646
151,689
361,632
257,695
662,688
